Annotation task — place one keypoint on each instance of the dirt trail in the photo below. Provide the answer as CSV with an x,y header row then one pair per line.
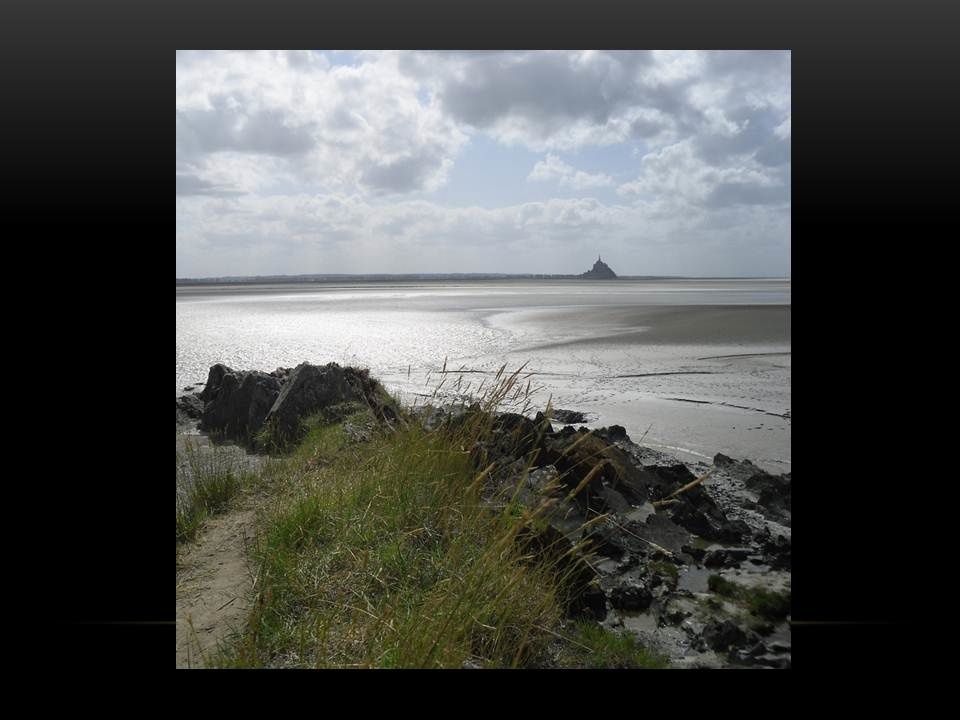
x,y
214,584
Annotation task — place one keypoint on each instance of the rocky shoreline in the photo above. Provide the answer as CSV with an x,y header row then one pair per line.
x,y
692,558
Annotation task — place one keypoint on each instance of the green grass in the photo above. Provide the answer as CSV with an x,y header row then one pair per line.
x,y
666,568
207,480
593,646
384,553
759,601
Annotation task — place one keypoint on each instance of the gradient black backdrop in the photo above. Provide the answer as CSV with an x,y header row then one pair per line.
x,y
89,136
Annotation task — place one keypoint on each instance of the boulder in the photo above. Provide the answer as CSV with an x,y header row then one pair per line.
x,y
568,417
631,595
579,455
612,433
190,406
237,402
725,556
308,389
549,544
723,635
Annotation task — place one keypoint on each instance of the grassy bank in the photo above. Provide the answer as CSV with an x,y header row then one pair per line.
x,y
378,548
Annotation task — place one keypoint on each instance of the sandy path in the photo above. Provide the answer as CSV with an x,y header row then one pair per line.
x,y
214,585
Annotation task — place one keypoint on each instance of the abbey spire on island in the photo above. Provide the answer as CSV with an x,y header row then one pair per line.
x,y
599,271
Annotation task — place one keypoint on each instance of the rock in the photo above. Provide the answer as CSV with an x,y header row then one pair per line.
x,y
613,433
725,557
707,520
696,553
610,540
307,390
612,501
674,615
541,478
631,595
722,635
777,662
191,406
777,552
568,417
773,494
578,456
660,529
282,373
550,544
237,402
512,436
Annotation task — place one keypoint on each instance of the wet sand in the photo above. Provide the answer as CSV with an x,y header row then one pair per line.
x,y
664,325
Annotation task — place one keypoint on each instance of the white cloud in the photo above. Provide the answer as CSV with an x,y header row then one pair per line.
x,y
553,169
287,162
276,119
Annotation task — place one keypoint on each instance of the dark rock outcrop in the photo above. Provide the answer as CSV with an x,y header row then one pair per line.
x,y
725,557
631,595
307,390
568,417
723,635
191,406
773,491
236,402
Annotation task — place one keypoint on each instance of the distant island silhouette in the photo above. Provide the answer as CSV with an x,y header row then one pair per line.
x,y
599,271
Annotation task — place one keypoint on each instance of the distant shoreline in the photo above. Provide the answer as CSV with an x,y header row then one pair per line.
x,y
333,278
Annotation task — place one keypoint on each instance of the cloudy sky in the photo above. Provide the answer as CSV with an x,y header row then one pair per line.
x,y
665,162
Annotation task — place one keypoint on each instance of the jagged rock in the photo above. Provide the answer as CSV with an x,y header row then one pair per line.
x,y
777,552
237,402
725,557
512,436
568,417
612,501
613,433
631,595
191,406
673,614
660,529
307,390
707,520
723,635
550,544
282,373
696,553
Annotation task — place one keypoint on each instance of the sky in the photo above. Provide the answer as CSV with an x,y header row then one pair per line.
x,y
663,162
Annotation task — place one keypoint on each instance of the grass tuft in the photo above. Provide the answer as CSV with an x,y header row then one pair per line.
x,y
594,646
759,601
208,478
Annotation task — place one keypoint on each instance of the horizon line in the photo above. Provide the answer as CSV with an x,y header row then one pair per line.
x,y
307,277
